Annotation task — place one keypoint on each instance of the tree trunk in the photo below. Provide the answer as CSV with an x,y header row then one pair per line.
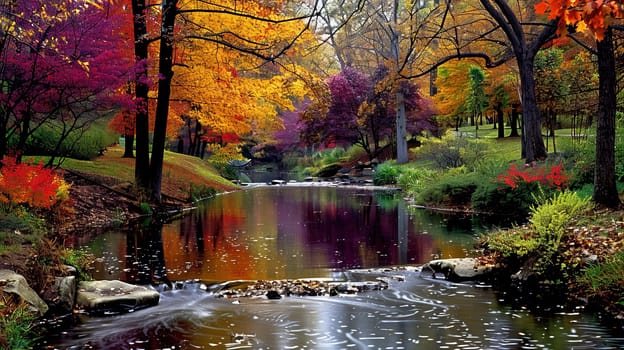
x,y
500,119
532,123
165,71
141,165
514,121
401,130
605,191
128,146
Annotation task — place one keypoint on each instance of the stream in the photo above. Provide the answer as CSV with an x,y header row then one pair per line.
x,y
315,233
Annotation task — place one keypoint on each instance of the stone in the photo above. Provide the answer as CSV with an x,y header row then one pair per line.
x,y
458,269
14,283
273,295
66,290
113,296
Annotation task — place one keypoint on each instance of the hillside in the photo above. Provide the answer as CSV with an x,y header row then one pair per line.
x,y
103,192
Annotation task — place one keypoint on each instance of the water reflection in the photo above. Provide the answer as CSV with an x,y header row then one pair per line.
x,y
277,233
284,232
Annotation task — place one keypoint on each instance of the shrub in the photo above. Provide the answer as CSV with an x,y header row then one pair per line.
x,y
414,180
539,245
453,151
31,185
386,174
329,156
81,144
453,189
513,191
199,192
579,158
226,170
79,259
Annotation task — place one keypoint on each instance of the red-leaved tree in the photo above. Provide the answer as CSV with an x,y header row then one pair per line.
x,y
61,67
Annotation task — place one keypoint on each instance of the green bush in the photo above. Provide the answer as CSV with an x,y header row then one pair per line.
x,y
199,192
414,180
579,159
226,170
80,259
492,197
329,156
538,246
386,174
453,189
551,216
79,144
451,151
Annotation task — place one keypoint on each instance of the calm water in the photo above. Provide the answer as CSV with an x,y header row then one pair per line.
x,y
312,232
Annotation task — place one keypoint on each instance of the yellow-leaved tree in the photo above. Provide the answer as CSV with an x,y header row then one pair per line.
x,y
230,94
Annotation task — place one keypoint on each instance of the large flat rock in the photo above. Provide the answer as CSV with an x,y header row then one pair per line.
x,y
458,269
113,296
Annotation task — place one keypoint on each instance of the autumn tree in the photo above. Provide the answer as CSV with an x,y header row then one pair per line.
x,y
601,18
257,46
61,68
390,33
362,112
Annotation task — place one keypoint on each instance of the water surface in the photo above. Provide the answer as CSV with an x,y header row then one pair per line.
x,y
310,232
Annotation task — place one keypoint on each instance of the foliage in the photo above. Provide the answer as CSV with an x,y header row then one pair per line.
x,y
225,170
605,281
454,188
31,185
63,66
16,328
451,151
415,180
580,157
538,246
146,208
81,144
581,14
361,111
386,174
329,156
19,227
550,217
80,259
515,178
513,191
200,192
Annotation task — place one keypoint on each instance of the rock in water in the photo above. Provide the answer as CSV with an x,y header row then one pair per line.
x,y
458,269
100,297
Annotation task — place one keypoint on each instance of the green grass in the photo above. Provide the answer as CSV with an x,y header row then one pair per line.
x,y
17,328
179,168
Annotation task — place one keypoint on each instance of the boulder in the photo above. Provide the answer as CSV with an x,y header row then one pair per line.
x,y
65,288
113,296
458,269
14,283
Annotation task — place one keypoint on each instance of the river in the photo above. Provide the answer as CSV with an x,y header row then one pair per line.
x,y
329,233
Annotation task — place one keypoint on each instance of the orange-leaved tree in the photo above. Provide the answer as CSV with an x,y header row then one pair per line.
x,y
600,17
